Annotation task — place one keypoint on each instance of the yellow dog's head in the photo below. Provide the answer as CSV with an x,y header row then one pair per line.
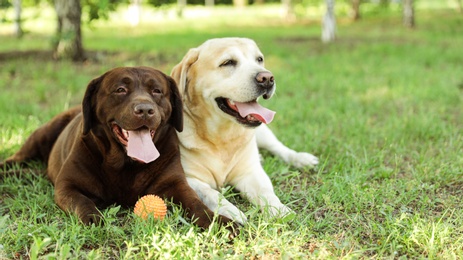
x,y
226,75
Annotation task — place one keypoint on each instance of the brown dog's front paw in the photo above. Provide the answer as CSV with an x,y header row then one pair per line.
x,y
92,218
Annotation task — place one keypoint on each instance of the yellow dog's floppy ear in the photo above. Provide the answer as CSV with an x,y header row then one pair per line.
x,y
180,71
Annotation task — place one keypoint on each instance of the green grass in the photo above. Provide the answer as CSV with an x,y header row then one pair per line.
x,y
381,107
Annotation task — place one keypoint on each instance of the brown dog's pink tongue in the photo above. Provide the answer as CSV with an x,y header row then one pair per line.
x,y
141,147
257,111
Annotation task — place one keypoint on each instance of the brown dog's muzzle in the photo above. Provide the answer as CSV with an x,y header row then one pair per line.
x,y
144,111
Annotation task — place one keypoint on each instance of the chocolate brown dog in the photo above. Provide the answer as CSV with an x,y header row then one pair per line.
x,y
121,146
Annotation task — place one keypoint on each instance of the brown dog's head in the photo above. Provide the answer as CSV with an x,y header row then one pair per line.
x,y
130,104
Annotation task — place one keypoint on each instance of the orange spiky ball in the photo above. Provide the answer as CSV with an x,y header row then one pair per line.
x,y
150,205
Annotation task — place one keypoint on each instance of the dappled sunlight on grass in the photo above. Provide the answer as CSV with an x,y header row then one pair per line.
x,y
12,138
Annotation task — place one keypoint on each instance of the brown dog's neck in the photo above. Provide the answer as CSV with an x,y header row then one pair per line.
x,y
162,131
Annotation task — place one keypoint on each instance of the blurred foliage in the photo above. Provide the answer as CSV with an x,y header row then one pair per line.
x,y
94,9
5,4
99,9
24,3
158,3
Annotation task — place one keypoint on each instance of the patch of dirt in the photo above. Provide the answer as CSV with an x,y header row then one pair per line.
x,y
29,54
159,60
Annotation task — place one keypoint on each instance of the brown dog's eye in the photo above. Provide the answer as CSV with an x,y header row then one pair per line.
x,y
121,90
228,63
157,91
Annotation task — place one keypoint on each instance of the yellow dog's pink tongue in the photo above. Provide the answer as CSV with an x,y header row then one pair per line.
x,y
141,147
259,112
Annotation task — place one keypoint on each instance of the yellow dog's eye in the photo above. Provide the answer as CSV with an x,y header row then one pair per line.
x,y
228,63
260,59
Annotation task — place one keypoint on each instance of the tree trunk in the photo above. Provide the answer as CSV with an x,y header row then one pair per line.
x,y
134,12
69,45
460,6
17,18
408,13
240,3
181,4
209,3
288,10
356,9
329,23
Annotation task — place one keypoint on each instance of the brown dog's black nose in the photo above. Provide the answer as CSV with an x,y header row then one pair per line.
x,y
144,110
265,80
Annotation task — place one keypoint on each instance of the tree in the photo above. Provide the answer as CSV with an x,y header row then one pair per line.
x,y
329,23
69,39
181,4
17,18
288,10
460,6
240,3
356,9
209,3
408,13
134,12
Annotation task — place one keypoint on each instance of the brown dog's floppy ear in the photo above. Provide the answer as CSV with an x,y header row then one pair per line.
x,y
88,109
176,117
180,71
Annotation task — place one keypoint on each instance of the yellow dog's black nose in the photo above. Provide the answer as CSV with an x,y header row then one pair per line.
x,y
266,81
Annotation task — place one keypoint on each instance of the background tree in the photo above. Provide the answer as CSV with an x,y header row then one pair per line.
x,y
181,4
69,38
209,3
329,23
288,10
68,43
17,18
408,13
134,12
460,6
355,9
240,3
